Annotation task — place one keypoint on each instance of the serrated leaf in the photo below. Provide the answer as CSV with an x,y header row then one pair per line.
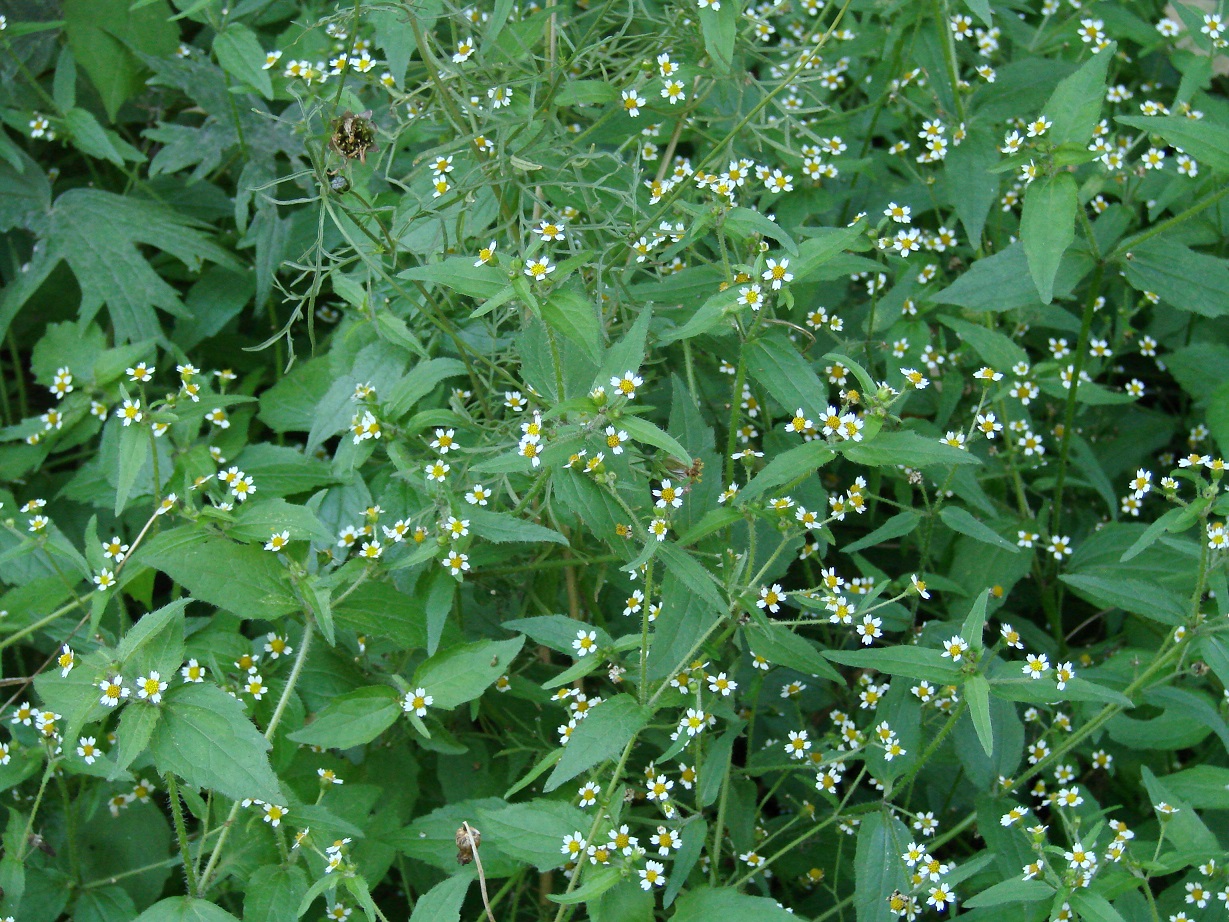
x,y
602,735
1075,105
241,55
1203,139
464,672
962,521
352,719
504,528
775,364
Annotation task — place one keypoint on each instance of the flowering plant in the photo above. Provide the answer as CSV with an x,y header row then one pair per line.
x,y
556,460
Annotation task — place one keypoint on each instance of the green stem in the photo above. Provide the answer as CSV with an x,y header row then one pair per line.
x,y
1161,227
181,832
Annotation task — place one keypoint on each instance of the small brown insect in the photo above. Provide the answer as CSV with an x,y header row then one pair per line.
x,y
37,841
354,136
468,839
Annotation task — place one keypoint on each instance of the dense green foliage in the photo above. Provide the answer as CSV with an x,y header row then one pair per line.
x,y
613,460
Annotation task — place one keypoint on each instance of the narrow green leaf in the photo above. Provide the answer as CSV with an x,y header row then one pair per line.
x,y
600,736
241,55
641,430
977,693
962,521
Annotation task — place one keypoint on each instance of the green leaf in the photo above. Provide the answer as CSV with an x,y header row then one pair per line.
x,y
914,662
273,893
464,672
97,233
586,93
207,739
897,526
977,693
104,34
442,903
1002,282
504,528
243,579
1075,105
889,449
1182,278
787,467
531,832
155,642
962,521
602,735
421,381
352,719
241,55
714,310
706,904
877,866
1136,596
257,519
691,574
1203,139
628,353
994,348
743,222
641,430
781,646
1013,890
975,622
134,454
136,726
823,246
1092,906
379,610
461,275
571,314
185,909
555,631
720,30
90,138
1047,228
775,364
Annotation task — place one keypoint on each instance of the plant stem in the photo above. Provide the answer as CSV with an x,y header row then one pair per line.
x,y
181,832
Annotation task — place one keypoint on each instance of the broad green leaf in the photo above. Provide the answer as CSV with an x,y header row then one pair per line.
x,y
1047,228
972,189
994,348
104,904
104,34
97,233
258,519
1002,282
207,739
914,662
686,616
421,381
273,894
1183,278
572,315
91,138
1075,105
1136,596
716,308
961,520
503,528
889,449
185,909
705,904
877,866
352,719
628,353
461,275
602,735
787,467
1013,890
155,642
743,222
379,610
586,93
683,566
641,430
555,631
242,56
1203,139
1092,906
824,245
977,693
442,903
531,832
775,364
780,645
1204,787
464,672
134,454
246,580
